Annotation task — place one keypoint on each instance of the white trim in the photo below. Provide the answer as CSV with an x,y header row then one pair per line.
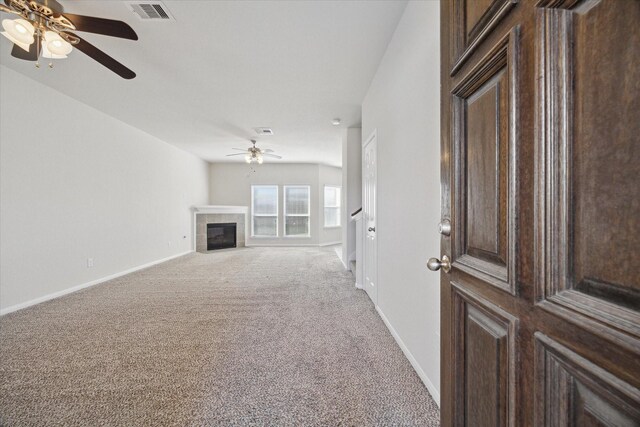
x,y
372,137
314,245
330,243
433,391
220,209
67,291
341,258
281,245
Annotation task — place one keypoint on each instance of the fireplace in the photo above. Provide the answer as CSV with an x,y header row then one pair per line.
x,y
220,236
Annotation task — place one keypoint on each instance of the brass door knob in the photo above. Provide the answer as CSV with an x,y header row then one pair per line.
x,y
434,264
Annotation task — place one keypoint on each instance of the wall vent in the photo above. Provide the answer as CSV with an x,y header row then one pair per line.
x,y
150,10
263,131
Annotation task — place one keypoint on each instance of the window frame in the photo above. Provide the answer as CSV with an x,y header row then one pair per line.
x,y
324,206
285,215
277,214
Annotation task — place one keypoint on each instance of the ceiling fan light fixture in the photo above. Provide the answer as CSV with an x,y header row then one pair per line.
x,y
55,45
46,53
254,154
24,46
20,30
38,17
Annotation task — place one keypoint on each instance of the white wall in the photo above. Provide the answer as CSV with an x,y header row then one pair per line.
x,y
351,189
230,184
402,103
77,184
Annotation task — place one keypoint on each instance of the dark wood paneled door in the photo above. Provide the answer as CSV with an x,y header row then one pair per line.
x,y
541,189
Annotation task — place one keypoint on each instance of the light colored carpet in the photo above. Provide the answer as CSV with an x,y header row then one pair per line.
x,y
255,337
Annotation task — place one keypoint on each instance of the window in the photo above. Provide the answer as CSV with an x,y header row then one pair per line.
x,y
296,210
331,206
264,210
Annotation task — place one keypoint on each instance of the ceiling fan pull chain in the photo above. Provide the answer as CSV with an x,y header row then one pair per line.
x,y
38,43
51,63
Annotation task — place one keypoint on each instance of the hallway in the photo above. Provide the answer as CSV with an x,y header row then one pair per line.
x,y
255,336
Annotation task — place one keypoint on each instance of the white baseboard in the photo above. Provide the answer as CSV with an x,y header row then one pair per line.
x,y
427,382
67,291
345,265
280,245
307,245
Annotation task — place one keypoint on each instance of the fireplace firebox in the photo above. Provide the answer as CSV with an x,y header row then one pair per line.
x,y
221,236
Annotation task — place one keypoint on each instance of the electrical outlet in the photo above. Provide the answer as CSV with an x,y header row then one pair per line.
x,y
169,244
89,262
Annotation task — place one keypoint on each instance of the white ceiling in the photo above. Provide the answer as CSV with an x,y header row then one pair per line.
x,y
223,67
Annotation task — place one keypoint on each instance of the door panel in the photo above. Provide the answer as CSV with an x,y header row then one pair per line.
x,y
593,142
485,161
541,182
573,391
473,22
484,370
598,150
474,11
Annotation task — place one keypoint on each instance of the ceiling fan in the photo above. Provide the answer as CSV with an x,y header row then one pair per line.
x,y
254,154
42,29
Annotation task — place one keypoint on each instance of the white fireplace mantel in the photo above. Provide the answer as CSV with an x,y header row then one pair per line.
x,y
220,209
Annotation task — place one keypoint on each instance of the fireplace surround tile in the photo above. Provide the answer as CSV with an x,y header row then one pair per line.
x,y
214,218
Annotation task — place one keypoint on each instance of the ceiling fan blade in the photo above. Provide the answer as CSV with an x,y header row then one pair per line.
x,y
32,55
240,149
272,155
107,27
95,53
236,154
267,150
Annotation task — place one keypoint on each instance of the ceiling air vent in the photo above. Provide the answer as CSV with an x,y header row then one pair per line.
x,y
263,131
150,10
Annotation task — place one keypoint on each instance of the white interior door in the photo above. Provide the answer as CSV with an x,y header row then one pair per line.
x,y
369,181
